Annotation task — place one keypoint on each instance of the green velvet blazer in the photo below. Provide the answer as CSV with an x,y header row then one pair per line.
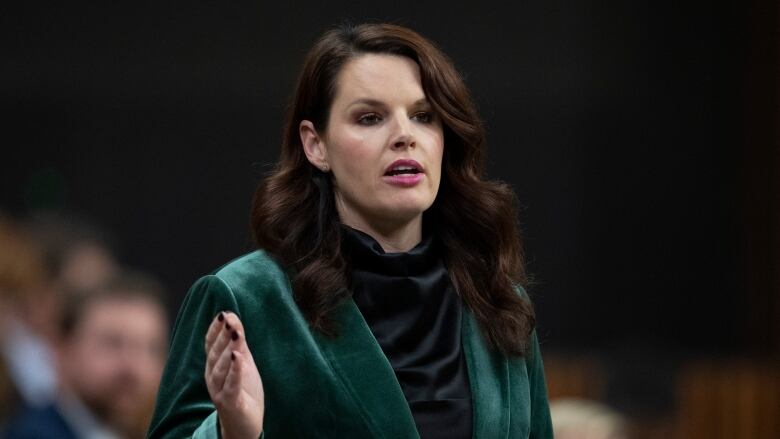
x,y
320,387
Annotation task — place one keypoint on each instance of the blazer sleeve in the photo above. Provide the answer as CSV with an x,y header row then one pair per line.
x,y
541,423
184,408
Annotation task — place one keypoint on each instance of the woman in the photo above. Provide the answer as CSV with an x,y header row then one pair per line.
x,y
386,299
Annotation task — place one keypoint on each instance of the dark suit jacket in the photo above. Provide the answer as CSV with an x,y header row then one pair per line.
x,y
11,402
316,386
37,423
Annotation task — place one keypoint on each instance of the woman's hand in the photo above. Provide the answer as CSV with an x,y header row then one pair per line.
x,y
232,379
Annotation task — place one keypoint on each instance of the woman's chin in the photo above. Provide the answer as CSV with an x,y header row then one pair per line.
x,y
404,212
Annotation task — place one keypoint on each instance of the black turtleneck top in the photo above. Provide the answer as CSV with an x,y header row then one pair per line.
x,y
409,303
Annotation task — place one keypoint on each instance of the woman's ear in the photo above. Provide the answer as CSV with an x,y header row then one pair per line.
x,y
313,146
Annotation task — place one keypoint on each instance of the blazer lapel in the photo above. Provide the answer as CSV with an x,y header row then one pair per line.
x,y
367,376
489,382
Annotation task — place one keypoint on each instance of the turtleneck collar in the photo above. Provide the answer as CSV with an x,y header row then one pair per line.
x,y
408,302
367,254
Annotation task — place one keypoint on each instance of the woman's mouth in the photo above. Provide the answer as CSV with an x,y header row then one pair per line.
x,y
404,173
403,170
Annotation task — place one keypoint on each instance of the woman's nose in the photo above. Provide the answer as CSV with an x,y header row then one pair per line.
x,y
403,136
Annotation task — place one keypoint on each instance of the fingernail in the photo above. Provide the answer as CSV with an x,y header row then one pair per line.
x,y
232,356
221,316
227,326
234,335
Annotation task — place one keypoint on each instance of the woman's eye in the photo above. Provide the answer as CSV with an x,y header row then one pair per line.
x,y
369,119
423,116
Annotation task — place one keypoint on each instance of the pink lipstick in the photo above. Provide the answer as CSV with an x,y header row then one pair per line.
x,y
404,172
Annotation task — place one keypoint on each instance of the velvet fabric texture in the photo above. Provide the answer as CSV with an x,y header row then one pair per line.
x,y
316,386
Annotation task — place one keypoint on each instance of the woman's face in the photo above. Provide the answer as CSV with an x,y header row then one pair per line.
x,y
383,143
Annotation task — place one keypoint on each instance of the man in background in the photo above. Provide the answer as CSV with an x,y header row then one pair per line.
x,y
42,259
110,358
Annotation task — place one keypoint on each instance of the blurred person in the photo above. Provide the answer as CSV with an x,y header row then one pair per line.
x,y
59,253
77,252
110,359
575,418
26,374
386,298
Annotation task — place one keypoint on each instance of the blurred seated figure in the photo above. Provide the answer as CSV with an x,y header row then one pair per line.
x,y
39,261
110,358
77,252
574,418
26,371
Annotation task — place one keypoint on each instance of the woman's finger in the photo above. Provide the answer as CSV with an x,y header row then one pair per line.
x,y
232,385
223,339
213,331
232,320
237,341
216,379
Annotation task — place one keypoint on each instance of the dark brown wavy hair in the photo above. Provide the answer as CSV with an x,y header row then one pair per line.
x,y
294,216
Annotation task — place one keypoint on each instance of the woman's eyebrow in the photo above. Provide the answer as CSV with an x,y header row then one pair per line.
x,y
367,101
378,103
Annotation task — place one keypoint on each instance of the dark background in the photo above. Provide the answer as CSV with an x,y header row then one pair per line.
x,y
640,137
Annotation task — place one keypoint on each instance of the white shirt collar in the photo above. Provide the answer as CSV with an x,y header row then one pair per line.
x,y
30,363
